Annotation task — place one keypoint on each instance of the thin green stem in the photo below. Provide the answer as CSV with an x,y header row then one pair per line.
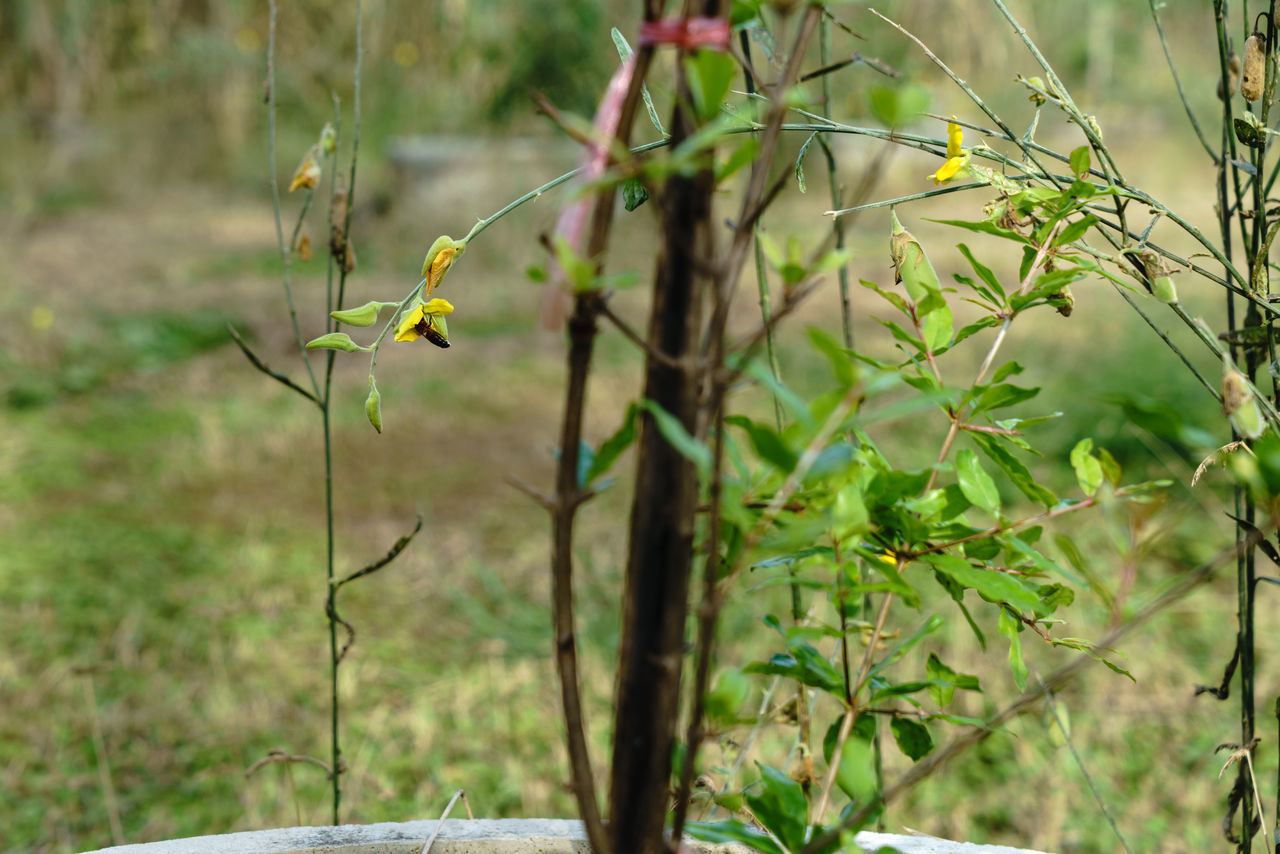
x,y
1027,150
286,252
833,184
1177,81
1060,91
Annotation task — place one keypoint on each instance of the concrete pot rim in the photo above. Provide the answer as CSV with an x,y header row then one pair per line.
x,y
479,836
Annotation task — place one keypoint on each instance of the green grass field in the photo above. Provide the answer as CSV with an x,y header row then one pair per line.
x,y
161,517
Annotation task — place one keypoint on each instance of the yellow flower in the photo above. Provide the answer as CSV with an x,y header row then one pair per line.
x,y
426,320
956,156
440,257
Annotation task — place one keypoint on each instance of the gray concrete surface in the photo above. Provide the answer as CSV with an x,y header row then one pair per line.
x,y
481,836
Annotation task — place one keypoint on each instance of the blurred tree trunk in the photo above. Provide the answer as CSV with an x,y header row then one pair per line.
x,y
660,556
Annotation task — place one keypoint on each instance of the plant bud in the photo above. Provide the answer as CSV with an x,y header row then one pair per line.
x,y
365,315
1253,68
373,405
329,144
1233,78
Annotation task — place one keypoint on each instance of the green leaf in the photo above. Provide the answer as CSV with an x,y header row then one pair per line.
x,y
1074,231
634,194
893,299
710,73
943,681
976,484
804,149
795,406
1005,371
1013,468
928,627
336,341
902,689
856,773
624,53
780,806
1001,395
732,831
936,328
982,227
678,437
842,367
804,664
741,155
1088,469
983,271
896,106
731,690
1080,161
912,736
612,448
1018,545
1010,626
992,585
1053,597
771,447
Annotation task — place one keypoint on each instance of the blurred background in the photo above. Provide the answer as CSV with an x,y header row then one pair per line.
x,y
161,512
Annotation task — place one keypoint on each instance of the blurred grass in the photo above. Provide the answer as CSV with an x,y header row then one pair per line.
x,y
160,500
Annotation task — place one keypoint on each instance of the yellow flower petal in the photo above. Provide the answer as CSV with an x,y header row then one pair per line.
x,y
439,266
438,306
308,172
408,328
948,170
955,137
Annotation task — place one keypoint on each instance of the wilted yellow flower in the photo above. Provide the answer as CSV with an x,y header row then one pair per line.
x,y
308,172
426,320
440,257
956,157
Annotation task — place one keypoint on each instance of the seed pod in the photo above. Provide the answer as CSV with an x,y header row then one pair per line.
x,y
1233,78
1164,289
338,221
1253,68
910,264
1240,406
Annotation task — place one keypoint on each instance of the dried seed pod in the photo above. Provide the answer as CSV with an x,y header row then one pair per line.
x,y
303,247
1253,68
338,221
1233,78
348,258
